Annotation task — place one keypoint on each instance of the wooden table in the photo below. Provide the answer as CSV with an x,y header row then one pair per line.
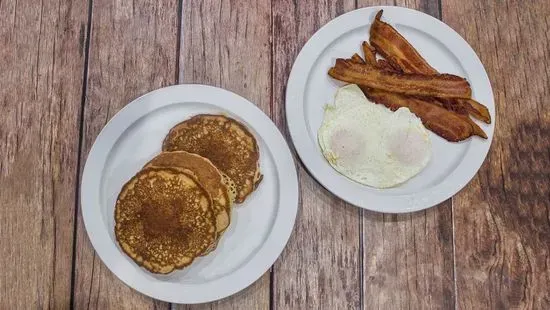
x,y
66,67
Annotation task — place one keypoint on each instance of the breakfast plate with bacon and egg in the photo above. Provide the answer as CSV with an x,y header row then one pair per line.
x,y
390,109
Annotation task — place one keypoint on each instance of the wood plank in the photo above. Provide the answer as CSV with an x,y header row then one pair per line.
x,y
408,258
319,269
41,56
228,44
502,222
256,296
133,50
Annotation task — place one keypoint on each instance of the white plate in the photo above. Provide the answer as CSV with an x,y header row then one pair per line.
x,y
309,88
259,228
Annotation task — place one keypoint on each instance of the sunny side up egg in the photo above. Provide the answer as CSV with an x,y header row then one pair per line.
x,y
369,143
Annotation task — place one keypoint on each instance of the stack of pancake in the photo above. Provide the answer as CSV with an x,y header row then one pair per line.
x,y
179,205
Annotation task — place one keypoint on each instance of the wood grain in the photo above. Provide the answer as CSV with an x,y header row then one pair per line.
x,y
502,218
132,51
408,258
319,269
338,257
41,61
228,44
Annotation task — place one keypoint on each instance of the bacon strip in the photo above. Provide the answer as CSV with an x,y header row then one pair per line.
x,y
475,109
369,52
357,59
385,65
424,112
441,85
370,58
396,49
447,124
400,53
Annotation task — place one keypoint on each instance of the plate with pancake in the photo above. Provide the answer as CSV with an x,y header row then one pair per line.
x,y
189,194
390,109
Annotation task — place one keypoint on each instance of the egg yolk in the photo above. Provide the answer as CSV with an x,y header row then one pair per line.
x,y
407,146
347,145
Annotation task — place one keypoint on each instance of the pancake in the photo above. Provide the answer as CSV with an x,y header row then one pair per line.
x,y
164,219
228,144
208,176
231,187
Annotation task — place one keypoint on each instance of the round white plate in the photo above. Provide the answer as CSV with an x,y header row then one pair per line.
x,y
309,88
259,229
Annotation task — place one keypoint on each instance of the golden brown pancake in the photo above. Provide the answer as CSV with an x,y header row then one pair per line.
x,y
164,219
228,144
208,176
230,186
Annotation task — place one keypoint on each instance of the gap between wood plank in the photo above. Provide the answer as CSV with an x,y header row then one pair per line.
x,y
179,72
361,242
271,113
361,263
440,11
180,41
80,146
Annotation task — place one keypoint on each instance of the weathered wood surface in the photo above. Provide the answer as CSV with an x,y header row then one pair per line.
x,y
502,218
338,257
132,50
41,67
228,44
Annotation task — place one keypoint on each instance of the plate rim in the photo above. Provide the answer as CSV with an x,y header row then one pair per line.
x,y
263,258
316,165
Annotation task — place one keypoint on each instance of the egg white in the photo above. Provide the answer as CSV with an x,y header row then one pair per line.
x,y
369,143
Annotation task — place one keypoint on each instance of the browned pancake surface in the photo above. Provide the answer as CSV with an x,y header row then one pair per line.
x,y
208,176
164,219
224,141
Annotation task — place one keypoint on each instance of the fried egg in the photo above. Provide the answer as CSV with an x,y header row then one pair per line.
x,y
370,144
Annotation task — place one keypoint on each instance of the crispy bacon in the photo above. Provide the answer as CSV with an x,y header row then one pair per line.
x,y
357,59
401,54
370,58
475,109
452,104
450,126
441,85
396,49
385,65
369,52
